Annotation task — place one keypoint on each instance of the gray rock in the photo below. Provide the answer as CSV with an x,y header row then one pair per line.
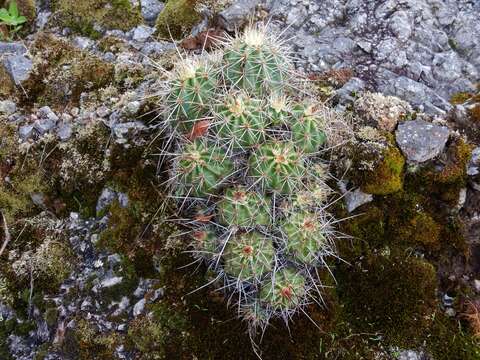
x,y
420,140
151,9
44,125
353,86
64,131
25,131
82,42
411,355
12,48
19,67
356,199
47,113
473,167
7,107
142,33
106,198
111,281
139,307
237,14
42,19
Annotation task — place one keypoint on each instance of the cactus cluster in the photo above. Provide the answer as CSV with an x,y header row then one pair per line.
x,y
248,174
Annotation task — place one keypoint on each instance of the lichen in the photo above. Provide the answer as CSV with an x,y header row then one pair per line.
x,y
84,17
177,19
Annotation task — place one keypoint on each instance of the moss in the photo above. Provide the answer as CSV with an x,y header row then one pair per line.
x,y
387,176
84,16
443,180
62,73
391,296
7,86
421,229
475,114
85,342
24,177
460,98
156,336
177,19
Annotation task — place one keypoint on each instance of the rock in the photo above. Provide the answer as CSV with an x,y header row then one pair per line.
x,y
142,33
476,285
43,125
18,67
383,112
151,9
111,281
139,307
42,19
354,85
25,131
106,198
236,15
82,42
64,131
47,113
411,355
420,140
474,164
12,48
356,199
7,107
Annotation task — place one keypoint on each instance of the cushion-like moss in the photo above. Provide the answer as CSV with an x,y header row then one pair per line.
x,y
83,16
391,296
177,19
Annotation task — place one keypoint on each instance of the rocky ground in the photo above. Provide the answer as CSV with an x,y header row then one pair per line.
x,y
92,263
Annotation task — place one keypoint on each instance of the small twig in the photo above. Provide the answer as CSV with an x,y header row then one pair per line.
x,y
29,309
6,234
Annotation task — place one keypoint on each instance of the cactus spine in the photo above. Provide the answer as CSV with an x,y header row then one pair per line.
x,y
202,168
252,169
241,207
277,166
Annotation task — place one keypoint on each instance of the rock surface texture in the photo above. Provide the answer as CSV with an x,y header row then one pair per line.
x,y
419,50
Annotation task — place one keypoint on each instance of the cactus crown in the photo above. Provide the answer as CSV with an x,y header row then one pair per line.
x,y
250,158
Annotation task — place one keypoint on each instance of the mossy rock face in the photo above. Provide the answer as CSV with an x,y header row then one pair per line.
x,y
387,176
377,164
85,16
177,19
62,73
391,296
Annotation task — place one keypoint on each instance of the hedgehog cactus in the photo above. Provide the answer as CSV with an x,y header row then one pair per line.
x,y
248,163
284,291
254,62
202,168
277,166
190,93
240,207
248,256
307,130
304,237
241,121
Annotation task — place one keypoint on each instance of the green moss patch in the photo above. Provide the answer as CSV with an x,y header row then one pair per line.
x,y
83,16
390,296
61,73
177,19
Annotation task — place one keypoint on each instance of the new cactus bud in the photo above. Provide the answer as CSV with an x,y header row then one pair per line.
x,y
277,166
190,93
278,110
202,168
307,130
248,256
240,207
241,121
304,237
285,290
255,63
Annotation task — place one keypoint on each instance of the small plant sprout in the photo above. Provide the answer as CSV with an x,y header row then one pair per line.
x,y
12,19
248,150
